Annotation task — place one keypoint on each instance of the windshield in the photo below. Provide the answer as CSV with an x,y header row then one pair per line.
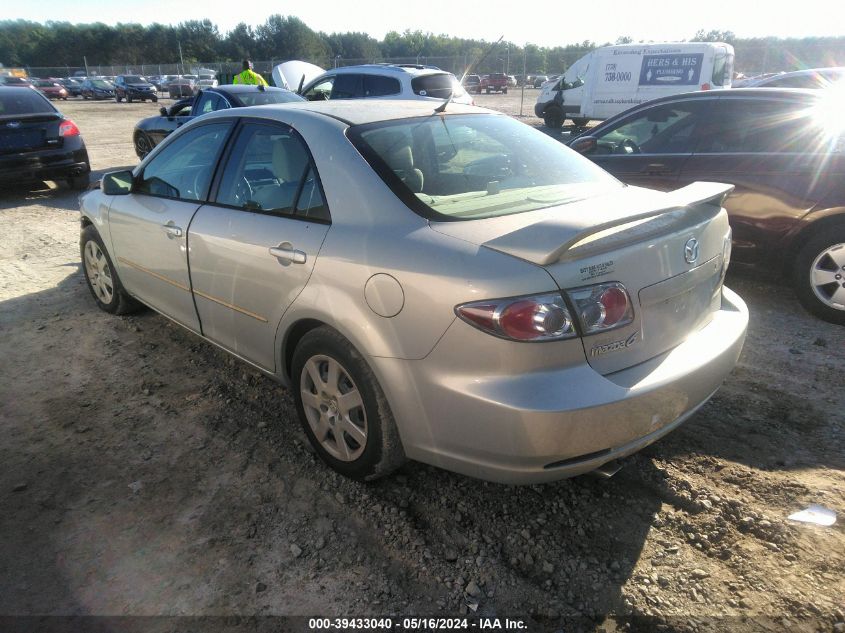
x,y
101,83
134,79
476,166
439,86
267,96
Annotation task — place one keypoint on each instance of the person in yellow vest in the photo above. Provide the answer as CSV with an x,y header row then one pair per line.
x,y
249,76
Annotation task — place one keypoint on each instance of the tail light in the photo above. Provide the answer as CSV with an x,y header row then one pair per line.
x,y
602,307
705,86
68,128
727,247
534,318
546,317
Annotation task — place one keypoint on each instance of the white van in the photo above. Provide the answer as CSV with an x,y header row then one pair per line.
x,y
612,79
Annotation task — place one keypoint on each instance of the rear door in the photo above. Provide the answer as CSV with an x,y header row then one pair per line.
x,y
149,226
770,150
254,247
650,147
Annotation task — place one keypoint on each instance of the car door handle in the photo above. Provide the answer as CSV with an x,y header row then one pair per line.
x,y
656,169
172,231
286,252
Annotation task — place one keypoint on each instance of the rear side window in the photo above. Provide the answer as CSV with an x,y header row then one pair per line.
x,y
270,170
752,126
23,101
439,86
799,81
379,86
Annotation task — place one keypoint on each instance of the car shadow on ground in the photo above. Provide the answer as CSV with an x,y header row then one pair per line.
x,y
57,194
153,456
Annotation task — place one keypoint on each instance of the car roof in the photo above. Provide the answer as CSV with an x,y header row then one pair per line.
x,y
768,93
362,111
391,69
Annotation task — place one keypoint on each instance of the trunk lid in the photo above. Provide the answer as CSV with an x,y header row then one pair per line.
x,y
29,132
634,236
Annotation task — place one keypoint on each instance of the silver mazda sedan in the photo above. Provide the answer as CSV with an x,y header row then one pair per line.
x,y
453,287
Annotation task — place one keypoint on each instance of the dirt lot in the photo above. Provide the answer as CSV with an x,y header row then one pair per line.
x,y
146,473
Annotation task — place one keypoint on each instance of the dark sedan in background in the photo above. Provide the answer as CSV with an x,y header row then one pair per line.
x,y
151,131
134,87
37,142
97,89
784,150
73,86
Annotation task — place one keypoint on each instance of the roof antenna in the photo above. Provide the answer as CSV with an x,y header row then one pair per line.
x,y
442,107
301,82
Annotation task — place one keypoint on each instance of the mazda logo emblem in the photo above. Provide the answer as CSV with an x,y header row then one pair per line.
x,y
691,250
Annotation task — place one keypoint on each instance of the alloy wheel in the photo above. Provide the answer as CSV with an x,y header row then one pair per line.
x,y
827,276
334,408
98,271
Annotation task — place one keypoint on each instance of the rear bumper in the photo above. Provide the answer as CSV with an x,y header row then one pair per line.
x,y
44,165
522,428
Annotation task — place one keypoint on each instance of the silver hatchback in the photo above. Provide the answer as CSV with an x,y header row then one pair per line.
x,y
453,287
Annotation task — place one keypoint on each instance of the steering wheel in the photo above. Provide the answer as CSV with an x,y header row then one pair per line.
x,y
243,191
630,147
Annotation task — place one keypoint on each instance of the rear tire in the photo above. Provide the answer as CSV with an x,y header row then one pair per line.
x,y
580,122
814,278
78,183
154,99
101,275
128,98
554,117
342,408
117,99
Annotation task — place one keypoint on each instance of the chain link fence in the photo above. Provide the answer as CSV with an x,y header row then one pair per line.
x,y
750,60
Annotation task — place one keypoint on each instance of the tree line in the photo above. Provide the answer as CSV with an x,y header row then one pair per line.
x,y
33,44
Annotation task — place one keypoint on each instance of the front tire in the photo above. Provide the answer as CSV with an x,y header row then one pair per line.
x,y
143,145
101,275
580,122
342,408
553,117
819,275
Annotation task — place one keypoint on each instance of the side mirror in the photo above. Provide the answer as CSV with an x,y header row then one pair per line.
x,y
163,111
584,144
117,183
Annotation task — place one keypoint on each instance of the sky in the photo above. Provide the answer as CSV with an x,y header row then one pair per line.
x,y
550,23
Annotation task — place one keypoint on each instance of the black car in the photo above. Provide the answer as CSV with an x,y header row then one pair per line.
x,y
782,149
73,86
37,142
132,87
151,131
97,89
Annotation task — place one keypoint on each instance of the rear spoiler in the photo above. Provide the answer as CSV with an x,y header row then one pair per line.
x,y
545,242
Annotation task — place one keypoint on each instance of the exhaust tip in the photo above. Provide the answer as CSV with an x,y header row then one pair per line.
x,y
607,470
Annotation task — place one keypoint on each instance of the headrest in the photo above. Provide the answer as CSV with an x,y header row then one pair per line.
x,y
289,159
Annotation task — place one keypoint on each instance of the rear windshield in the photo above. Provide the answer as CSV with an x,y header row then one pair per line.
x,y
23,101
439,86
474,166
264,97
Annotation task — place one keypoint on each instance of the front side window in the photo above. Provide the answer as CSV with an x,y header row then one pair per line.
x,y
184,167
321,90
465,167
269,170
209,102
665,129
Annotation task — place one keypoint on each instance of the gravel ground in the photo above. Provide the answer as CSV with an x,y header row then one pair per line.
x,y
147,473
